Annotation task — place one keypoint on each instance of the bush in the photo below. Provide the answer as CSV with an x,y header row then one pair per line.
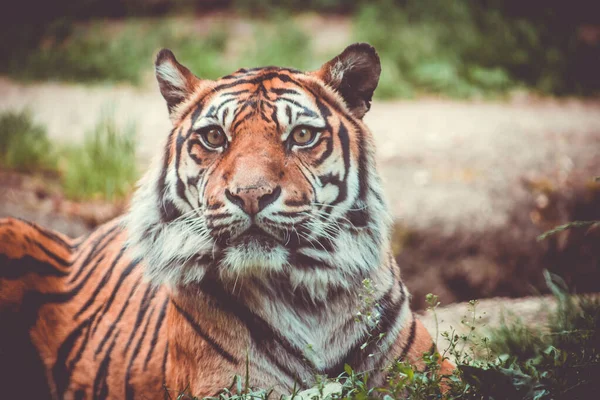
x,y
466,48
24,145
104,167
462,49
432,47
281,43
94,53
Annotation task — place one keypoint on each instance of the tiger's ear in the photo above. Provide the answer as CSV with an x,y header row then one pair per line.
x,y
175,81
354,74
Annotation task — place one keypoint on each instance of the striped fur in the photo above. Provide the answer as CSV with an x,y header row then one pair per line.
x,y
193,283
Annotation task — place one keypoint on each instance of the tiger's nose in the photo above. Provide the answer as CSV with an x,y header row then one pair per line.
x,y
253,199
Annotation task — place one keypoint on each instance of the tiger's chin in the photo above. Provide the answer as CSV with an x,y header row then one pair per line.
x,y
251,256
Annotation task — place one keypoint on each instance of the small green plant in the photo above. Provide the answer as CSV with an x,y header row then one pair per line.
x,y
24,144
104,166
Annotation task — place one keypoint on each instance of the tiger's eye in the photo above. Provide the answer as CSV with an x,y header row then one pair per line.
x,y
303,135
215,137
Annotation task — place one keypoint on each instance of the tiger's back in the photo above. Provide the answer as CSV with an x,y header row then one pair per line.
x,y
78,318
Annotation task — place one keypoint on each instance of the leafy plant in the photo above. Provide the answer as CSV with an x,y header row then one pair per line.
x,y
24,144
104,166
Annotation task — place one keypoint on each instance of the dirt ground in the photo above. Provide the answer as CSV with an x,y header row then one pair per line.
x,y
459,172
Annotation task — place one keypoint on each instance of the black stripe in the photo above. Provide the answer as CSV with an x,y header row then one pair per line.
x,y
288,112
114,323
266,339
196,113
72,292
410,340
60,372
145,302
168,211
345,141
258,79
357,354
216,346
129,392
102,374
56,258
363,171
157,328
300,260
164,371
180,186
305,111
112,232
101,285
358,217
126,272
274,116
328,150
282,91
49,235
223,104
15,268
238,92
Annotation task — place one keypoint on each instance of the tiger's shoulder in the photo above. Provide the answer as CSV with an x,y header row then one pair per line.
x,y
33,258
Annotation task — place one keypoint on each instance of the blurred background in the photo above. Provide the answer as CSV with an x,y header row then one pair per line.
x,y
486,118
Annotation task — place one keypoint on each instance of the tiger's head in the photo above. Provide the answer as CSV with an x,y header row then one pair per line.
x,y
266,172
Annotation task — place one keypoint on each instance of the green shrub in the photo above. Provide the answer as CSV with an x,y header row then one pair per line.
x,y
105,166
97,53
431,47
24,145
280,43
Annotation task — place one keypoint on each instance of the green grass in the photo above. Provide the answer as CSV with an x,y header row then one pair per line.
x,y
104,166
24,144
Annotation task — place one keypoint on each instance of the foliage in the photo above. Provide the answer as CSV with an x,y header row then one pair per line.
x,y
105,166
460,49
280,43
266,7
469,48
569,225
95,53
432,52
24,144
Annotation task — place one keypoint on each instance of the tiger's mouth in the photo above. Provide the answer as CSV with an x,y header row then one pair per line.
x,y
255,236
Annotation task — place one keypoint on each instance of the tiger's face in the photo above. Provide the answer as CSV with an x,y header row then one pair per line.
x,y
264,154
267,171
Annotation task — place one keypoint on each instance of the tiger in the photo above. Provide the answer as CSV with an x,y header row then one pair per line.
x,y
257,245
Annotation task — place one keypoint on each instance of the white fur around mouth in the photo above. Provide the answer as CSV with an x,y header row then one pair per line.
x,y
253,256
